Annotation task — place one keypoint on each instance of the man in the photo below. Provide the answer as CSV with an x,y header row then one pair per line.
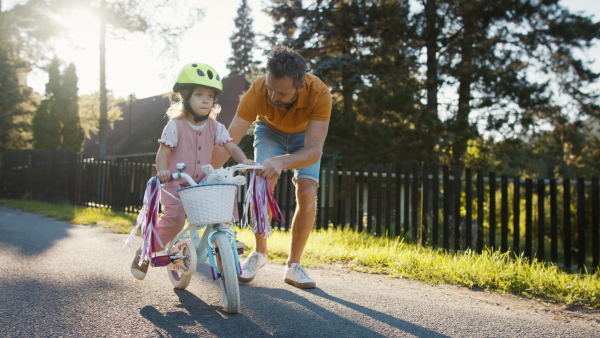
x,y
291,110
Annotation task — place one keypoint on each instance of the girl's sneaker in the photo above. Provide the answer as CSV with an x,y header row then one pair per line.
x,y
139,270
297,276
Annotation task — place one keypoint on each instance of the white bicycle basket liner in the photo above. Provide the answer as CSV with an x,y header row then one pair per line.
x,y
208,203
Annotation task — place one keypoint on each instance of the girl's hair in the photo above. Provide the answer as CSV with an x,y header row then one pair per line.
x,y
176,110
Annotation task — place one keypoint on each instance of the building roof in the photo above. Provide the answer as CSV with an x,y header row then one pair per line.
x,y
143,121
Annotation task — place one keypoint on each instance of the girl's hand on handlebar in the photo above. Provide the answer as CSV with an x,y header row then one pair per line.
x,y
164,176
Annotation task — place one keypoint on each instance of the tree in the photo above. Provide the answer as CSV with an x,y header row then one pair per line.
x,y
89,112
35,23
242,42
512,65
134,16
46,123
393,72
56,124
72,131
14,96
361,49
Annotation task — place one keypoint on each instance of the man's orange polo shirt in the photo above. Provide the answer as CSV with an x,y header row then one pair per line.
x,y
313,103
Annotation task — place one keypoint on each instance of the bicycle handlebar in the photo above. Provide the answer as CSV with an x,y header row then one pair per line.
x,y
237,167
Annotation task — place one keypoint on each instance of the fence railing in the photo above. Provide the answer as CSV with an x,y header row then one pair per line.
x,y
549,220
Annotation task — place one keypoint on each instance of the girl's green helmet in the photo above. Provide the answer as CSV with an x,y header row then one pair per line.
x,y
198,74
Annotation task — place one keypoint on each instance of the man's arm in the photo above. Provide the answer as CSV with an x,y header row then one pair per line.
x,y
237,129
316,133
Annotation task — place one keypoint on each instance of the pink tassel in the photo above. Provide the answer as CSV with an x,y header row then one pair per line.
x,y
148,219
260,197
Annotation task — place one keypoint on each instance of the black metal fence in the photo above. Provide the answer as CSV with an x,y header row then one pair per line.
x,y
550,220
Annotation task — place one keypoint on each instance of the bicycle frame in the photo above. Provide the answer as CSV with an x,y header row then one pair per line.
x,y
204,247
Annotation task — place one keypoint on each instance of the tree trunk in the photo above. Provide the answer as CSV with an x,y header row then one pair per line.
x,y
431,35
103,123
462,128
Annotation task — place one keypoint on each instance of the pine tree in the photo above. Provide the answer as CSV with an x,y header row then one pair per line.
x,y
46,123
513,66
72,131
13,95
242,42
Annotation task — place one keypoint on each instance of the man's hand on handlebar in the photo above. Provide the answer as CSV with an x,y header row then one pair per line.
x,y
271,169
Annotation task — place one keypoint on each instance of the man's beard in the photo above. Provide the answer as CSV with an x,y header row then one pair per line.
x,y
281,105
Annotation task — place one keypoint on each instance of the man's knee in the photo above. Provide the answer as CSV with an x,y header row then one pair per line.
x,y
306,193
305,187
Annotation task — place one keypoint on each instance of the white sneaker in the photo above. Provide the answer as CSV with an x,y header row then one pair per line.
x,y
139,271
239,244
297,276
250,266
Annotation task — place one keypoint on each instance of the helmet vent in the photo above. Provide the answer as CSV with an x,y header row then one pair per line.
x,y
200,72
210,74
218,77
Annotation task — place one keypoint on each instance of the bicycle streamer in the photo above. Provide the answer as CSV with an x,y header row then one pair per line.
x,y
147,219
260,196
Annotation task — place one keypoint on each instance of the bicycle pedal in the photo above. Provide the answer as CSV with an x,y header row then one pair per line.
x,y
161,261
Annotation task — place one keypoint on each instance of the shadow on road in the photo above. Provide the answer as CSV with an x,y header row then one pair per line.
x,y
29,233
334,323
212,318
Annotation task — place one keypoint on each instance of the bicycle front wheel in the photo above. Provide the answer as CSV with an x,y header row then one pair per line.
x,y
180,271
227,273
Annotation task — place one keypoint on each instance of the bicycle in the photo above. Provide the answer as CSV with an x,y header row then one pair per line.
x,y
206,204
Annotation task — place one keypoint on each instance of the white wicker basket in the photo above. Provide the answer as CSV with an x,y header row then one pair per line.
x,y
208,203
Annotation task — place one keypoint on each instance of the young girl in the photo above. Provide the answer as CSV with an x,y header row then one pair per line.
x,y
188,137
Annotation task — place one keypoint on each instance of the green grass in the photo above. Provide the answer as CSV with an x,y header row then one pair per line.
x,y
119,222
490,270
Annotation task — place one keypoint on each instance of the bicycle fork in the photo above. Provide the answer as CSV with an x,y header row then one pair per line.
x,y
212,250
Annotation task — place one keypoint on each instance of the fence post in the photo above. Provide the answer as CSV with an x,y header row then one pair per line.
x,y
435,204
447,213
415,202
492,208
406,199
528,217
581,223
504,216
480,220
567,222
424,204
516,214
379,200
388,201
553,222
595,223
457,198
541,220
468,209
370,200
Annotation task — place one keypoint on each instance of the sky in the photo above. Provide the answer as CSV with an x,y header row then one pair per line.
x,y
134,67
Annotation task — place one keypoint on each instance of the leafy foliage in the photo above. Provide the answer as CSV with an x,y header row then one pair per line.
x,y
14,113
56,124
424,81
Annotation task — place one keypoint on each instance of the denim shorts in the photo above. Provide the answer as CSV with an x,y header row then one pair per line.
x,y
269,143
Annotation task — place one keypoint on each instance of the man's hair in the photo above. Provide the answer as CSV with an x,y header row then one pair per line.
x,y
284,61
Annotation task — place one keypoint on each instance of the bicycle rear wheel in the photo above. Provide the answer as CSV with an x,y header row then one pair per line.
x,y
227,274
180,272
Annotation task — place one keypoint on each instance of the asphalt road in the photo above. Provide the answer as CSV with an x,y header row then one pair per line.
x,y
58,279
